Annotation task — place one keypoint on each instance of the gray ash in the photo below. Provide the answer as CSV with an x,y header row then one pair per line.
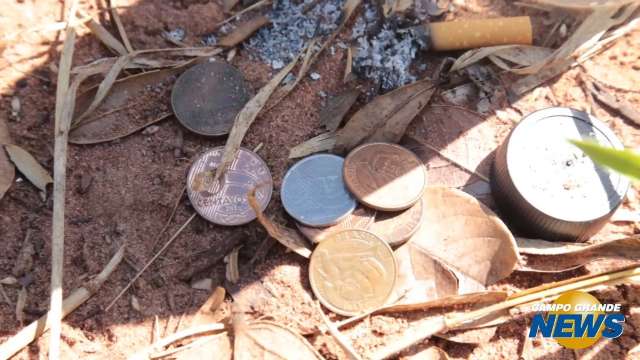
x,y
386,56
291,29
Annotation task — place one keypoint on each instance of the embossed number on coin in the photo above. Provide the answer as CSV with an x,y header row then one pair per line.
x,y
352,272
225,202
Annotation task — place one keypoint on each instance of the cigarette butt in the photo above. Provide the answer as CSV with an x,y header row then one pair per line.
x,y
471,34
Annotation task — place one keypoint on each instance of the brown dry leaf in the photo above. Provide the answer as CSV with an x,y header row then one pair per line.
x,y
205,314
229,4
374,116
466,235
24,261
420,277
546,256
215,347
7,170
247,115
323,142
20,304
337,106
484,297
621,106
108,130
232,272
264,339
287,237
242,32
105,36
29,167
522,55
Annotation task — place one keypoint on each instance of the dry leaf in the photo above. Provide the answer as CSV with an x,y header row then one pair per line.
x,y
214,347
229,4
337,106
7,170
105,36
373,116
20,304
621,106
322,142
232,273
484,297
264,339
24,261
466,236
243,31
287,237
420,277
135,304
202,284
247,115
108,130
205,314
29,167
522,55
547,256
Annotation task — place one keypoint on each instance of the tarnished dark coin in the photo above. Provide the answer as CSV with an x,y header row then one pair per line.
x,y
207,97
385,176
397,227
224,202
313,191
352,272
360,219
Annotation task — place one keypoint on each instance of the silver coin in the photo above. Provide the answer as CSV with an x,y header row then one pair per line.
x,y
314,193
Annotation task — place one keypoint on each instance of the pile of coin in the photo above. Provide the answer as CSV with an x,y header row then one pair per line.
x,y
355,209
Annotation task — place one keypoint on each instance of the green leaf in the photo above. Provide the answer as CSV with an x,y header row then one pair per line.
x,y
626,162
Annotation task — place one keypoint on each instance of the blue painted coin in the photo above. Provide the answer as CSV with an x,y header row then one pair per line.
x,y
314,193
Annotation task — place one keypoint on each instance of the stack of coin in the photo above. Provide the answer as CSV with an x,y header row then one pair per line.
x,y
353,268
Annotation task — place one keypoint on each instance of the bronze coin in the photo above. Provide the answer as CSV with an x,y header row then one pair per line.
x,y
397,227
207,97
385,176
360,219
352,272
224,202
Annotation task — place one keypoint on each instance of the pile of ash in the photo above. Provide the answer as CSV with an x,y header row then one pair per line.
x,y
292,27
383,51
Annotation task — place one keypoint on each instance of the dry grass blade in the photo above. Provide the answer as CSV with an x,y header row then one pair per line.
x,y
146,266
282,92
105,36
104,131
7,170
232,271
542,293
77,298
246,116
187,333
242,32
322,142
521,55
105,85
65,100
20,303
341,339
265,339
287,237
116,19
29,167
545,256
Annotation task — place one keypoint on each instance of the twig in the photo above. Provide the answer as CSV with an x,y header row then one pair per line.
x,y
164,247
123,34
155,331
193,331
203,340
344,343
257,5
62,123
77,298
173,213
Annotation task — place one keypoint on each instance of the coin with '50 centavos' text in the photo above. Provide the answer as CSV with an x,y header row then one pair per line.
x,y
352,272
224,202
385,176
313,191
207,97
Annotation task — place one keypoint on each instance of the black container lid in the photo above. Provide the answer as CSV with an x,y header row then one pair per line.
x,y
547,186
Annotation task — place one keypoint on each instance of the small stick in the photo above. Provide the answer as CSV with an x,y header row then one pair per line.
x,y
173,213
62,124
257,5
193,331
344,343
77,298
155,331
116,19
164,247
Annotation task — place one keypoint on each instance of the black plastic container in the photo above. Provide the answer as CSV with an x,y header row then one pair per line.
x,y
546,187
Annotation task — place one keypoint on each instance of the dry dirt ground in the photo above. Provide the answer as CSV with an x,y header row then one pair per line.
x,y
124,191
